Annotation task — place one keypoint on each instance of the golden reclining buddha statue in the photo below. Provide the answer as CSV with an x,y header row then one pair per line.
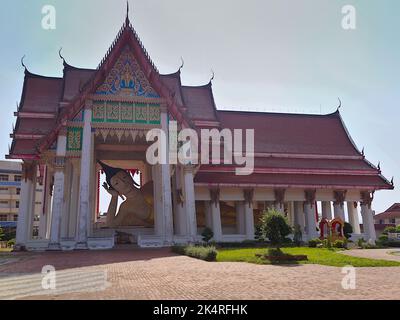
x,y
137,207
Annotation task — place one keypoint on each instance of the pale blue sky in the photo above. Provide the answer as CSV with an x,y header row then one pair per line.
x,y
269,55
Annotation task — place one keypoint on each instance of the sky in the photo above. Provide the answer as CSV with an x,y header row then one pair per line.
x,y
267,55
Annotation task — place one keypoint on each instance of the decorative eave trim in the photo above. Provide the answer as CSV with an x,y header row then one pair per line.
x,y
294,171
22,157
298,186
35,115
111,98
306,156
204,123
26,136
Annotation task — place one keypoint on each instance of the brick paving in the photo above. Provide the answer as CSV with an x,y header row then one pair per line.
x,y
159,274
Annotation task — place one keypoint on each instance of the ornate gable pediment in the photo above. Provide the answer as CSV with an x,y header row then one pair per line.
x,y
127,79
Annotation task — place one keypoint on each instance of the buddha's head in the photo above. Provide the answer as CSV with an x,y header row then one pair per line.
x,y
118,179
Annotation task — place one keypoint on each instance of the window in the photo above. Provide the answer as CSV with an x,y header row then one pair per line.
x,y
3,177
393,221
17,204
17,178
18,190
381,221
15,217
3,217
38,202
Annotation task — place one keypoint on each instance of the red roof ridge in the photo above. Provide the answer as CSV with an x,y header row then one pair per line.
x,y
29,74
279,113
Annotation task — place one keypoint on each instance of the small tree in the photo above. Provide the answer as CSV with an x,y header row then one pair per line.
x,y
275,227
389,230
347,230
207,234
1,234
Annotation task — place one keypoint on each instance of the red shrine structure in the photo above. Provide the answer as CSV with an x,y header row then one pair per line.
x,y
66,125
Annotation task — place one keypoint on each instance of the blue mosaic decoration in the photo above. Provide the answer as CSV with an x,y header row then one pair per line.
x,y
127,79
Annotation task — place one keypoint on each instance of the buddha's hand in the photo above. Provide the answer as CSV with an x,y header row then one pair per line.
x,y
112,192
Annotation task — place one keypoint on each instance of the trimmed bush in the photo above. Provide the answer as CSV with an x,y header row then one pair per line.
x,y
275,227
272,252
389,230
11,243
313,243
199,252
347,230
207,234
339,244
360,242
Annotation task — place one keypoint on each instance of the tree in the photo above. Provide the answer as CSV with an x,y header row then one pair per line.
x,y
275,227
207,234
1,234
347,230
389,230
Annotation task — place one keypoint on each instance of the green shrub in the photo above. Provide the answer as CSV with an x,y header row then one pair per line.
x,y
208,253
389,230
347,230
11,243
275,252
275,227
398,229
327,243
1,234
207,235
258,233
360,242
339,244
313,243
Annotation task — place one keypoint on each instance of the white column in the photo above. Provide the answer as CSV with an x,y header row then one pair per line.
x,y
299,218
338,211
25,207
368,223
45,202
84,192
168,226
309,211
326,210
158,207
180,226
66,206
74,201
190,202
58,193
216,221
249,220
240,217
353,216
208,214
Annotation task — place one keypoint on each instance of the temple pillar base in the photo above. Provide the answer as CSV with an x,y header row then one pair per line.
x,y
82,246
54,247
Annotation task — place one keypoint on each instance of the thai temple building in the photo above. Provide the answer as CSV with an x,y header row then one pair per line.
x,y
91,122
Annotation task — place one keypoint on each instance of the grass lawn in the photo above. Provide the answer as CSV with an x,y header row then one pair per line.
x,y
321,256
6,250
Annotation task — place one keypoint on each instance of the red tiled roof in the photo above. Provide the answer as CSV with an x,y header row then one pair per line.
x,y
74,80
200,102
293,133
390,213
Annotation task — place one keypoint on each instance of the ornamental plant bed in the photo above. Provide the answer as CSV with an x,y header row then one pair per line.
x,y
284,257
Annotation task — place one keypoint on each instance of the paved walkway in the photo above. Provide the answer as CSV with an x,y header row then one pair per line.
x,y
380,254
159,274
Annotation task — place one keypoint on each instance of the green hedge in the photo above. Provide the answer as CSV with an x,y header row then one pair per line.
x,y
199,252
